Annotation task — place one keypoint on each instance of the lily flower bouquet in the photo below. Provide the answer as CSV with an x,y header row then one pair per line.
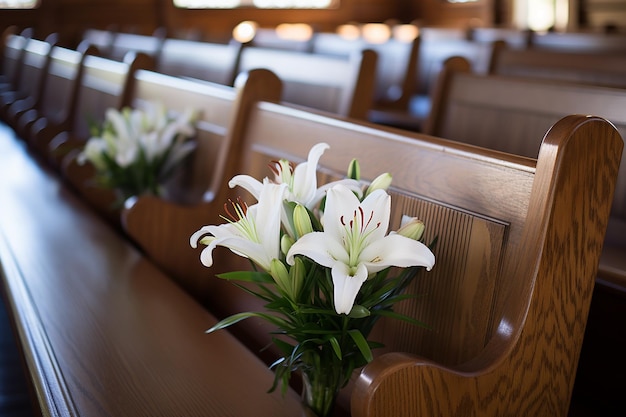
x,y
323,264
136,150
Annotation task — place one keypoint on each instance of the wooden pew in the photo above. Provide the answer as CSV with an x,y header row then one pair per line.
x,y
488,197
582,42
6,61
12,55
221,121
272,38
102,331
512,37
343,86
396,70
104,83
102,39
123,43
101,83
499,221
500,113
206,61
433,52
586,67
59,95
33,68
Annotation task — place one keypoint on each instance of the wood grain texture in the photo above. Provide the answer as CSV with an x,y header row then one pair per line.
x,y
106,333
504,112
528,366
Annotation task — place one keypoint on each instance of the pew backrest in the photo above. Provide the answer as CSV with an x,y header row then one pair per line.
x,y
105,83
33,66
589,42
339,85
61,83
13,52
213,62
98,38
501,113
124,43
276,38
585,67
512,37
396,69
503,284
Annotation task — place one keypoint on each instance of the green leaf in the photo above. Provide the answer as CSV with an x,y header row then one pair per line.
x,y
335,345
236,318
361,343
247,276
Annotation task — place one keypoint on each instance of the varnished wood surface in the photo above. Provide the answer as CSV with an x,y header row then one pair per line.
x,y
527,367
104,332
503,112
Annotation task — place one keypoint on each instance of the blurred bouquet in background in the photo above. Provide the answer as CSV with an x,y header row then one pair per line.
x,y
136,151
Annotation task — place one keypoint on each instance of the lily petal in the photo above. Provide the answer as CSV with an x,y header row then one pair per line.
x,y
346,286
320,248
248,183
396,250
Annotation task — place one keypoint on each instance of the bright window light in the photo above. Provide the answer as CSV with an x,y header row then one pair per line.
x,y
261,4
18,4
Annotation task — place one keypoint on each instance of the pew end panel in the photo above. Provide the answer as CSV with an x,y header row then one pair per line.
x,y
480,204
542,322
162,227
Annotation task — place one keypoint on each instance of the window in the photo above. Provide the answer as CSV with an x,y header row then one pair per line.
x,y
261,4
18,4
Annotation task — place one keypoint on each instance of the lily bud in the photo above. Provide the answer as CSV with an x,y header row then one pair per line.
x,y
381,182
297,273
358,312
279,272
301,220
413,229
285,243
354,170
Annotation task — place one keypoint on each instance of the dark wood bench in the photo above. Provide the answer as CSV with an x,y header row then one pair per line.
x,y
504,286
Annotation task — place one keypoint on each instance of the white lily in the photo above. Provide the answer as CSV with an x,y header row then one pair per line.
x,y
254,232
301,180
355,243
